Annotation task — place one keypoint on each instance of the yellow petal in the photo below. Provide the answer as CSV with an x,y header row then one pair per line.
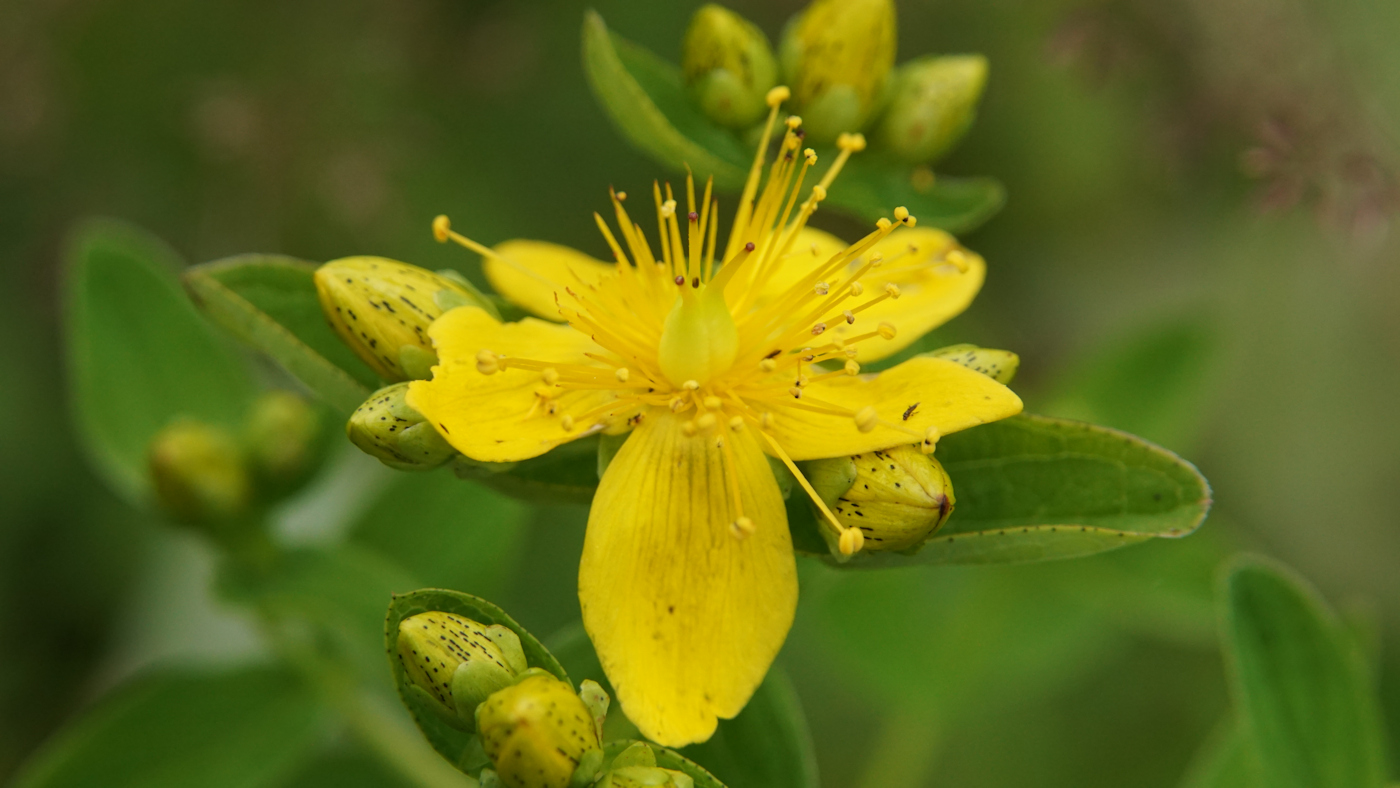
x,y
686,617
533,271
499,417
930,294
933,392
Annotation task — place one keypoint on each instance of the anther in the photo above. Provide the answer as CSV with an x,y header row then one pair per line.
x,y
550,375
901,213
676,404
822,288
777,96
668,208
737,424
811,156
622,374
688,429
819,192
622,196
876,259
866,419
719,442
852,368
487,363
741,528
887,331
713,403
818,329
706,421
911,221
850,316
441,227
765,420
957,258
883,223
892,290
793,121
930,442
795,392
767,365
852,352
567,422
856,289
690,385
851,541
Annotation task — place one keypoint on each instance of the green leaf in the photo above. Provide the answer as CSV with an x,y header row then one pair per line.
x,y
225,730
766,746
1031,488
1226,761
646,99
139,354
1301,685
666,759
458,747
449,533
347,770
270,302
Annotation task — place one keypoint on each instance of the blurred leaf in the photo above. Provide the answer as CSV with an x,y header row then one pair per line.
x,y
174,730
270,302
1153,383
341,591
646,99
1302,687
139,354
458,747
566,474
1031,488
346,770
449,533
1224,762
766,746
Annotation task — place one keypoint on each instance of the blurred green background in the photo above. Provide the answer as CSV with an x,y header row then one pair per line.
x,y
1199,247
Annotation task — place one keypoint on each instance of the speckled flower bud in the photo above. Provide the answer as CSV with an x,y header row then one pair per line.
x,y
538,734
281,435
457,662
728,66
199,473
932,104
898,497
836,56
382,309
999,365
386,428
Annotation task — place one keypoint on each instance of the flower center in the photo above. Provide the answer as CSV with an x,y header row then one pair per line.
x,y
699,340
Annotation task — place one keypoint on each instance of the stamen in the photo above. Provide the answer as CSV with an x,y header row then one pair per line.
x,y
866,419
622,374
487,363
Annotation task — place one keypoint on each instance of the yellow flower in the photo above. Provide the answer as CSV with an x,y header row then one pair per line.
x,y
712,357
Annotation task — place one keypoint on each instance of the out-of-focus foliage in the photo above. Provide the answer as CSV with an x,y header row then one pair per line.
x,y
1132,260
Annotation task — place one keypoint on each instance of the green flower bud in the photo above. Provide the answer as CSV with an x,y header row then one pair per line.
x,y
457,662
281,434
382,309
728,66
898,497
199,473
999,365
932,104
636,766
836,56
538,733
386,428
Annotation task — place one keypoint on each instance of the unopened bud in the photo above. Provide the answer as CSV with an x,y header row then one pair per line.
x,y
281,436
728,66
837,55
932,105
999,365
382,308
386,428
457,662
636,767
199,473
897,498
538,733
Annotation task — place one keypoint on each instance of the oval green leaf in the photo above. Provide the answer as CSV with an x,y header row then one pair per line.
x,y
458,747
269,301
1301,684
139,354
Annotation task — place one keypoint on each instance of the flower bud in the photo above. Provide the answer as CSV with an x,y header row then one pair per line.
x,y
999,365
382,309
386,428
457,662
198,473
898,497
932,103
836,56
636,766
281,434
728,66
538,733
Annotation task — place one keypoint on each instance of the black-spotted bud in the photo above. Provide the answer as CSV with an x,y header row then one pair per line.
x,y
896,498
281,436
539,734
636,767
999,365
933,102
386,428
382,308
458,663
199,473
728,66
836,56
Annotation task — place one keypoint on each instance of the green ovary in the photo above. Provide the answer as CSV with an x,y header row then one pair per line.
x,y
699,340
